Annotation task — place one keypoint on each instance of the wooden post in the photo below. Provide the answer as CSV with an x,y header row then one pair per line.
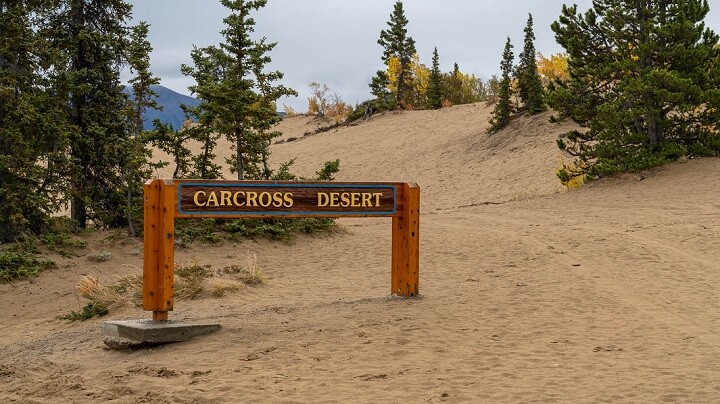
x,y
406,244
159,249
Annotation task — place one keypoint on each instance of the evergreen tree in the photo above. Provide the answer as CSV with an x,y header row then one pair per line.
x,y
503,108
174,143
237,96
530,88
643,81
91,37
143,96
435,95
379,89
135,167
33,137
398,44
454,86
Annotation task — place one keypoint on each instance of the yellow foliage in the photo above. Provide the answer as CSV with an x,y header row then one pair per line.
x,y
393,68
313,106
553,68
338,109
422,76
575,169
289,111
327,103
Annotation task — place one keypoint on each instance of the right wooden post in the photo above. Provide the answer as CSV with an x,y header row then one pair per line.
x,y
406,244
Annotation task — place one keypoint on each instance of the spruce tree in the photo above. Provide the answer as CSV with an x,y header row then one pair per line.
x,y
435,95
455,86
503,108
91,37
135,166
143,96
643,82
398,44
237,96
379,88
33,136
530,88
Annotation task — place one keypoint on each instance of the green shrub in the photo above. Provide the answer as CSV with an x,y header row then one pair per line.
x,y
62,243
20,265
89,311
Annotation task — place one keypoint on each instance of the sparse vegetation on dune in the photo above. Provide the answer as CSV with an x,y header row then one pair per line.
x,y
192,281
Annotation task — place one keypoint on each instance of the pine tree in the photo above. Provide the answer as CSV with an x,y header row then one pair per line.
x,y
33,136
530,87
237,96
503,108
398,44
91,37
643,81
435,95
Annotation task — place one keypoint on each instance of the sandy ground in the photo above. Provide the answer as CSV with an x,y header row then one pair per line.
x,y
530,293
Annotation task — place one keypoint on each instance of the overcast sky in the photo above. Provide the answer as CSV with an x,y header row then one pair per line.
x,y
335,41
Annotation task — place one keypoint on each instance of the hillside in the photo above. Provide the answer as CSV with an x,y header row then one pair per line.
x,y
530,292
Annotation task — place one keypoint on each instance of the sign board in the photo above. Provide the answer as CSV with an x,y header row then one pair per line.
x,y
253,199
166,200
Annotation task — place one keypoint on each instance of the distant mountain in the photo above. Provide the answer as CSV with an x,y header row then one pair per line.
x,y
171,112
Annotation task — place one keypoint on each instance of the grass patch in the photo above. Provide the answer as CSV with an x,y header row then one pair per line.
x,y
100,299
89,311
16,265
195,281
191,282
63,243
249,274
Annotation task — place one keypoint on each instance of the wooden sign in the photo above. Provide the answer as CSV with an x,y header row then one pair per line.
x,y
217,199
166,200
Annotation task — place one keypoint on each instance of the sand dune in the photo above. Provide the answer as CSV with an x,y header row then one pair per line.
x,y
530,293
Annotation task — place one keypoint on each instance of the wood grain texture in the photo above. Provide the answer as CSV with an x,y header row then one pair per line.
x,y
159,247
405,272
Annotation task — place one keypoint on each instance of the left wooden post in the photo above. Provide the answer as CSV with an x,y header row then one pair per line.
x,y
159,249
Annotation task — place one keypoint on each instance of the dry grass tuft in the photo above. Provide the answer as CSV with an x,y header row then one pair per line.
x,y
89,288
191,282
249,274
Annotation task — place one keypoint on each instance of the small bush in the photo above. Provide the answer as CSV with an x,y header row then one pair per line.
x,y
16,265
62,243
203,231
89,311
100,256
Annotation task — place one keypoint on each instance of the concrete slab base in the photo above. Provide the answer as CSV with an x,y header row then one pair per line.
x,y
129,333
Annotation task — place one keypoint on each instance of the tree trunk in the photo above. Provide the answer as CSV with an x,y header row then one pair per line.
x,y
265,155
401,80
77,211
239,157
